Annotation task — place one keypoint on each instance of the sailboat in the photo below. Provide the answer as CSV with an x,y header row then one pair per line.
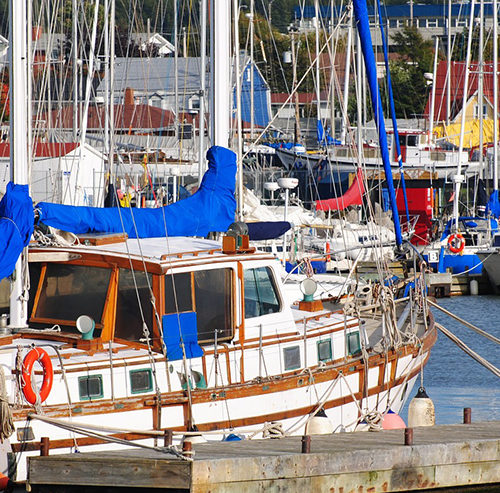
x,y
136,330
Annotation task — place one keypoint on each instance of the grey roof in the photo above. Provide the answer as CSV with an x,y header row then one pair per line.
x,y
156,75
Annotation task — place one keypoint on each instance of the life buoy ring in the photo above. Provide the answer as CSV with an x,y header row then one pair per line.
x,y
40,355
327,251
456,243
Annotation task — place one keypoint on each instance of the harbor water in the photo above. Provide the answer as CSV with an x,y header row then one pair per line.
x,y
452,379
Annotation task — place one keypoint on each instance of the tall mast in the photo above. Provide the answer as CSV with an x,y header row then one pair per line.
x,y
448,67
220,22
459,178
318,102
237,83
346,78
74,53
495,95
176,77
203,88
252,81
20,125
480,85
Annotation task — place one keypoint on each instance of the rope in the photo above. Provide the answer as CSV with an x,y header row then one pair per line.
x,y
86,430
464,322
6,420
468,350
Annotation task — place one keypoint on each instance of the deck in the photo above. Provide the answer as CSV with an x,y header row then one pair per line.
x,y
369,462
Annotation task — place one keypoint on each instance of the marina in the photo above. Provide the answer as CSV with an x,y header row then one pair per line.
x,y
228,263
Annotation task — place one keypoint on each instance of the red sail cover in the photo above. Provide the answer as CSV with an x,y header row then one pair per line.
x,y
353,196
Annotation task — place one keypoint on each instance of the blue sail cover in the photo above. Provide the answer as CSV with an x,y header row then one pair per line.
x,y
267,230
211,208
361,14
16,225
493,205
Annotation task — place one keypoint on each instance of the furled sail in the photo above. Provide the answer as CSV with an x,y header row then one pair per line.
x,y
16,226
211,208
353,196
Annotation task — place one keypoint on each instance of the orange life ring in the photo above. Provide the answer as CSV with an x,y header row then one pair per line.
x,y
456,243
327,251
40,355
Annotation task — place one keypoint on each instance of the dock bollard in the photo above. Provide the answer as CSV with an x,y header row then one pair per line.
x,y
408,436
467,416
306,444
187,448
44,446
167,438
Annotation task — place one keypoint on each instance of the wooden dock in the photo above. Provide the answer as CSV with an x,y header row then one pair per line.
x,y
364,462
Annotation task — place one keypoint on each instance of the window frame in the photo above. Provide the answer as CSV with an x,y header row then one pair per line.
x,y
288,349
87,377
141,370
99,324
330,358
276,290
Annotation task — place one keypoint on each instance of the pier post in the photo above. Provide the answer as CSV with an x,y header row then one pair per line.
x,y
408,436
44,446
467,415
306,444
167,438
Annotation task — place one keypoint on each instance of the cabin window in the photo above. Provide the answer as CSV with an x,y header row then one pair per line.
x,y
412,141
291,357
90,387
214,304
353,343
325,350
131,302
69,291
141,381
178,294
261,297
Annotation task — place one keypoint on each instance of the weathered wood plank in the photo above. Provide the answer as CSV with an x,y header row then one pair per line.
x,y
441,456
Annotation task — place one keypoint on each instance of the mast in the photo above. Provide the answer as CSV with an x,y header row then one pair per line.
x,y
20,126
361,14
237,83
252,81
347,74
74,53
176,77
458,179
495,95
433,93
220,22
448,67
480,86
318,101
203,88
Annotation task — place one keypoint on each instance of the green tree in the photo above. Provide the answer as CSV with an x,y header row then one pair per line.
x,y
409,85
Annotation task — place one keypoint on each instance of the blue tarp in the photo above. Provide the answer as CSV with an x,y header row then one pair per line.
x,y
493,205
267,230
211,208
16,225
178,329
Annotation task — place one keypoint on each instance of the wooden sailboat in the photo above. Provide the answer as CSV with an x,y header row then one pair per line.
x,y
129,339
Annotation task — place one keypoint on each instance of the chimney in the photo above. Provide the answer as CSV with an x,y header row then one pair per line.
x,y
129,96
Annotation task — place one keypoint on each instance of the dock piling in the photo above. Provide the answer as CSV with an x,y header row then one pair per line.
x,y
44,446
467,415
306,444
408,436
167,438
